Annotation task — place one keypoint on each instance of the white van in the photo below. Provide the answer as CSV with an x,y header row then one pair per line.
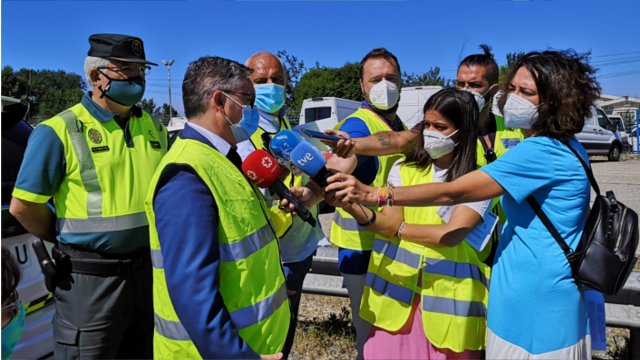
x,y
324,113
412,100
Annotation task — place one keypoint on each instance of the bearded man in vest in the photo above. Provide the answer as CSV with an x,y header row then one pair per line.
x,y
380,81
298,239
96,160
218,284
478,74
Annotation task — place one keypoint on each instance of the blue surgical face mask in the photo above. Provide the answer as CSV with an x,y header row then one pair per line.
x,y
12,332
248,125
127,92
269,97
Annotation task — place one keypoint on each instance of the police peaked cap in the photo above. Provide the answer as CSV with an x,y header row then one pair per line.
x,y
118,47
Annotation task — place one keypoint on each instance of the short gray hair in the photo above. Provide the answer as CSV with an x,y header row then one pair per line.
x,y
207,75
264,53
92,62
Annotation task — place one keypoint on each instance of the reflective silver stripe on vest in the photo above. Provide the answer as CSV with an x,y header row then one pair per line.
x,y
396,253
453,307
259,311
173,330
347,223
456,270
86,166
241,250
385,288
156,259
105,224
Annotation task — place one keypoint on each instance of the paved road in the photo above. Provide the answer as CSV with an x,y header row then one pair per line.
x,y
622,177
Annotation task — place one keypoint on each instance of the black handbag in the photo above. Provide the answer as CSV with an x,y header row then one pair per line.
x,y
606,253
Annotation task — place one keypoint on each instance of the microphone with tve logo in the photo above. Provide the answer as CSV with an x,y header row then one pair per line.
x,y
282,144
311,161
263,170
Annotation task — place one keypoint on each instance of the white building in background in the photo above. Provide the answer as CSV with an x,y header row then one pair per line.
x,y
625,106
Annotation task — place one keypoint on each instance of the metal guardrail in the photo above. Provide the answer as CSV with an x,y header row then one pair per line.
x,y
622,310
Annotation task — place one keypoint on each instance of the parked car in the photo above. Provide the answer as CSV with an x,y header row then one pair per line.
x,y
600,136
37,337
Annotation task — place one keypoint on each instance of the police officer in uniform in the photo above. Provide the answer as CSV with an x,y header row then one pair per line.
x,y
96,160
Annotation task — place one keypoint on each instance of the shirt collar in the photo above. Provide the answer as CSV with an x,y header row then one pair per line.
x,y
101,114
95,110
219,143
269,123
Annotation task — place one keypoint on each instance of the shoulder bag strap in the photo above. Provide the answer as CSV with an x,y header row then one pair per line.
x,y
587,169
568,252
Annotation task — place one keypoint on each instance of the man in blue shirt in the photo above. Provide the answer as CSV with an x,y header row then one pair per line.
x,y
381,82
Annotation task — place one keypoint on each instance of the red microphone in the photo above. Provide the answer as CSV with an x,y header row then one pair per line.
x,y
263,170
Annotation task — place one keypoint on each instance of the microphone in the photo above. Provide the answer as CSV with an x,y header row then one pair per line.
x,y
312,162
281,145
263,170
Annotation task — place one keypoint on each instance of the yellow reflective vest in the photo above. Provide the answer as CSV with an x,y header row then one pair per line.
x,y
345,231
506,138
105,181
252,281
453,289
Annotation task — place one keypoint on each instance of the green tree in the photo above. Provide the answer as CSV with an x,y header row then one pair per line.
x,y
431,77
149,106
51,91
511,59
294,69
341,82
164,114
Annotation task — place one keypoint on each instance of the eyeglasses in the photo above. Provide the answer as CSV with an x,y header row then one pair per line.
x,y
13,309
472,85
252,96
129,70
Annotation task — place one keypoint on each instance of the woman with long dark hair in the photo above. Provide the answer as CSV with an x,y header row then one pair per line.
x,y
420,267
536,309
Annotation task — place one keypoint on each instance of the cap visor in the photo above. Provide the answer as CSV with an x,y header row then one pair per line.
x,y
139,61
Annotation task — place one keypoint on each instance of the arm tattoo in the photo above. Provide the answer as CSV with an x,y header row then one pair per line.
x,y
384,138
415,131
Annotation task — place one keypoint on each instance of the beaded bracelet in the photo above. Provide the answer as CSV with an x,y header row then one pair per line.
x,y
400,230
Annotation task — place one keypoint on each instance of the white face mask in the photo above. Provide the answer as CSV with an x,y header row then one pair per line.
x,y
384,95
437,144
519,112
479,97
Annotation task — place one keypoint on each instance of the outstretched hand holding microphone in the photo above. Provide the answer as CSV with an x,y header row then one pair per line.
x,y
263,170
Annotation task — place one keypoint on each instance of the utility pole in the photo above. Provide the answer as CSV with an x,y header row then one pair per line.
x,y
169,77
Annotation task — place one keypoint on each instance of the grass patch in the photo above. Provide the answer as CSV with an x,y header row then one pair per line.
x,y
325,329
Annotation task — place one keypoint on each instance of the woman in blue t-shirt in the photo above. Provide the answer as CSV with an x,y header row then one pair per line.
x,y
536,309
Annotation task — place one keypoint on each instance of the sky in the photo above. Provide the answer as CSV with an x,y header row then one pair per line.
x,y
54,35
